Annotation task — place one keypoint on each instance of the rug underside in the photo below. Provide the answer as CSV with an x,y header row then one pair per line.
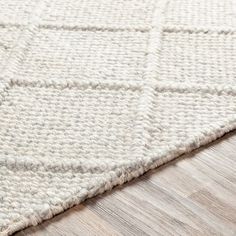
x,y
94,93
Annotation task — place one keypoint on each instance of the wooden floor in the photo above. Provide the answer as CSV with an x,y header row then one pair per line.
x,y
193,195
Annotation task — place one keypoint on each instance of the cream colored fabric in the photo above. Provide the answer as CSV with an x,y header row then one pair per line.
x,y
95,92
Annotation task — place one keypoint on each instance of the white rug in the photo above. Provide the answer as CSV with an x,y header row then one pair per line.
x,y
95,92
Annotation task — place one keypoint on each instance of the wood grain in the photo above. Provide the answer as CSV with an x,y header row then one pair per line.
x,y
193,195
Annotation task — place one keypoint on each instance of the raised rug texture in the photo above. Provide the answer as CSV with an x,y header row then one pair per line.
x,y
95,92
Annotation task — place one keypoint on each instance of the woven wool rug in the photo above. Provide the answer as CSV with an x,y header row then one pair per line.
x,y
96,92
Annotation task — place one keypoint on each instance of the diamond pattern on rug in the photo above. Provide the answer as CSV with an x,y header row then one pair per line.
x,y
198,57
201,13
94,93
179,115
68,123
85,54
122,13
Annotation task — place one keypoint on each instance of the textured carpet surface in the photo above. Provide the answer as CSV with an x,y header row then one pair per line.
x,y
95,92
